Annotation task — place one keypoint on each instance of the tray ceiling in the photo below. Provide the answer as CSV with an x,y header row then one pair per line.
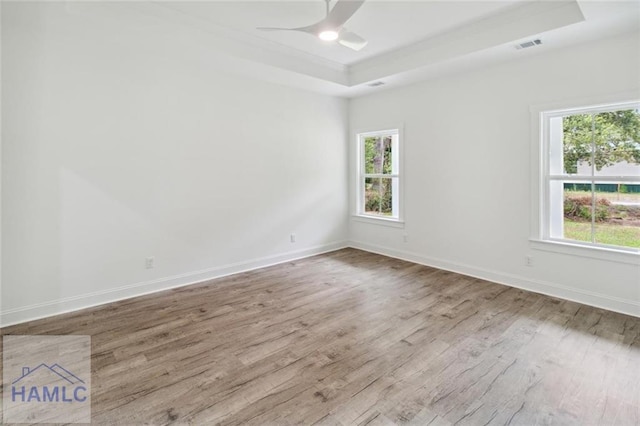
x,y
408,40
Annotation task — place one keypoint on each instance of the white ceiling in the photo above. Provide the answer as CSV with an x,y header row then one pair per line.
x,y
408,40
386,25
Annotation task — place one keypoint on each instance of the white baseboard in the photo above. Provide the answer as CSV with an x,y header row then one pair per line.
x,y
75,303
598,300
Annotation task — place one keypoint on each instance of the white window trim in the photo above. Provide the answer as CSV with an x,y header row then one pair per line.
x,y
358,214
539,237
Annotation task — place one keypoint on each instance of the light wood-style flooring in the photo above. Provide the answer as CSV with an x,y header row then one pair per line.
x,y
353,338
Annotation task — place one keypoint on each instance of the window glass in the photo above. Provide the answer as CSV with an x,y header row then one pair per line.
x,y
379,180
593,177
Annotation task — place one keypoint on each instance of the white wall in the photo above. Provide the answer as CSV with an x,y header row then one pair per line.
x,y
0,158
123,139
467,162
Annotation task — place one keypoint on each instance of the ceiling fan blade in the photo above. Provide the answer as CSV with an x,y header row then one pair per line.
x,y
303,29
351,40
341,12
334,21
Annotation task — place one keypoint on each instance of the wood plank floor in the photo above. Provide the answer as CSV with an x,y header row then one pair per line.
x,y
353,338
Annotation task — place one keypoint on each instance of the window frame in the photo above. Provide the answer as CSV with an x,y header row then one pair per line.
x,y
361,175
541,239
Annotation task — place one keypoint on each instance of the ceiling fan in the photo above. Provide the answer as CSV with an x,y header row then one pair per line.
x,y
331,28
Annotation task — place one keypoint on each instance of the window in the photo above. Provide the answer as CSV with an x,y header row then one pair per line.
x,y
590,170
379,175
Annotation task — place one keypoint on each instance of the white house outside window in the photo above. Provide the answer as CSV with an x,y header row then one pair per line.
x,y
590,176
379,175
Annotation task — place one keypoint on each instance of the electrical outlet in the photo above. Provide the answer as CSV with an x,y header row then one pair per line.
x,y
528,260
150,262
292,238
405,238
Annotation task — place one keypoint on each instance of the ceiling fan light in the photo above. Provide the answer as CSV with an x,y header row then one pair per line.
x,y
329,35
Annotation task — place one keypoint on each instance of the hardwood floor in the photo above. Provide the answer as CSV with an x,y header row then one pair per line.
x,y
353,338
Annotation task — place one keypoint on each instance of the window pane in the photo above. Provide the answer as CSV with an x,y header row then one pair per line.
x,y
617,215
372,195
577,144
617,143
378,157
386,197
372,155
378,196
387,165
578,203
616,218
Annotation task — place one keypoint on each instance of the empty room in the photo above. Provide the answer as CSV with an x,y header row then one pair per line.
x,y
320,212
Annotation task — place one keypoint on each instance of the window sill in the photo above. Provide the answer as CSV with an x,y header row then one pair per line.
x,y
630,256
394,223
